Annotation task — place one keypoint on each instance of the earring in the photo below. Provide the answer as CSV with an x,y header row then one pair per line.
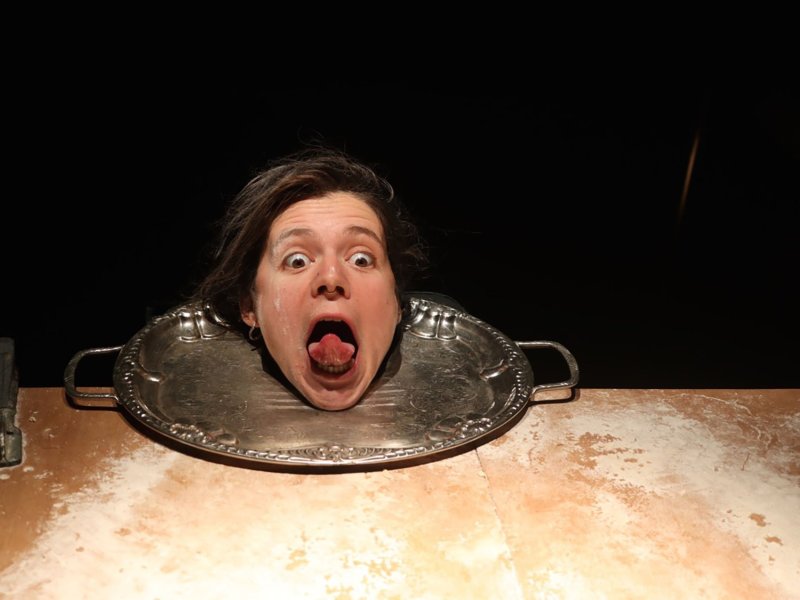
x,y
251,333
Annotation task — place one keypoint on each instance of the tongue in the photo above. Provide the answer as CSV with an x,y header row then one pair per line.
x,y
330,350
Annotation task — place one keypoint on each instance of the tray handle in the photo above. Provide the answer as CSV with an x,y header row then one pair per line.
x,y
574,373
75,394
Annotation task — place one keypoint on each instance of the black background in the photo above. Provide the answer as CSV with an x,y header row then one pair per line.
x,y
552,210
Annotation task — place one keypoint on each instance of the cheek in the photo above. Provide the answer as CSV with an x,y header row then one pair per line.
x,y
283,299
269,293
276,302
276,309
384,309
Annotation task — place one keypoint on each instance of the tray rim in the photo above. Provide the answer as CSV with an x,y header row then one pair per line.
x,y
333,456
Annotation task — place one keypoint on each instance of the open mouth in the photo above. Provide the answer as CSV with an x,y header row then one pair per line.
x,y
332,347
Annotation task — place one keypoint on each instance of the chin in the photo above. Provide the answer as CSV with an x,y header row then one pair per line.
x,y
330,396
333,403
334,392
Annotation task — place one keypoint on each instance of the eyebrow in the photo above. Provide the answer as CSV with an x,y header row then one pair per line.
x,y
309,233
357,229
294,232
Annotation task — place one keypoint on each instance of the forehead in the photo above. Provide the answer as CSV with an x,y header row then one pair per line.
x,y
337,210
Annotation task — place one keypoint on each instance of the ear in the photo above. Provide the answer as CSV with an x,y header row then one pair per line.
x,y
247,312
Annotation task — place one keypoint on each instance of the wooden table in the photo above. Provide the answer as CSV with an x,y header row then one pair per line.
x,y
614,494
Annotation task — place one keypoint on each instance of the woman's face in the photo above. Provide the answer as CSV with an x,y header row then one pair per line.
x,y
324,298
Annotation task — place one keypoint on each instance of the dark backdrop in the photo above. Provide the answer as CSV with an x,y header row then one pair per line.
x,y
552,211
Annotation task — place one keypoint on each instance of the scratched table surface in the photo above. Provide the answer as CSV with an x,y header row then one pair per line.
x,y
614,493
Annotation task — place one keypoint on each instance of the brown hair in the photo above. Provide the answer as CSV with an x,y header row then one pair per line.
x,y
305,174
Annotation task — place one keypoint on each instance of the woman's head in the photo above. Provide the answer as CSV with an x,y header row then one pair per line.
x,y
314,252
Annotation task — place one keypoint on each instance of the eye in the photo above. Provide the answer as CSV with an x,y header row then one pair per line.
x,y
362,259
296,260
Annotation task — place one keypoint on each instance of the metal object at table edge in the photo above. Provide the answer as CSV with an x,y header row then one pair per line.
x,y
10,434
451,383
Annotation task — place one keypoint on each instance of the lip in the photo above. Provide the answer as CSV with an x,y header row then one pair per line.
x,y
321,374
332,317
327,376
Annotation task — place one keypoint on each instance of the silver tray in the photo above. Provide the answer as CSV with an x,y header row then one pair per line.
x,y
451,383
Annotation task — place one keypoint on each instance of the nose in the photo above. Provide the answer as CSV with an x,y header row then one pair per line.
x,y
331,280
